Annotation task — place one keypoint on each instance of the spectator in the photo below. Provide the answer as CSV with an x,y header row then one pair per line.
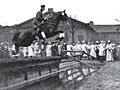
x,y
69,48
48,49
78,48
59,48
54,49
118,50
102,51
1,50
109,55
31,51
25,52
93,51
43,49
73,49
88,49
115,52
84,48
97,49
63,49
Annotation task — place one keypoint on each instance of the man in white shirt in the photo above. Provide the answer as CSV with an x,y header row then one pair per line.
x,y
102,51
84,48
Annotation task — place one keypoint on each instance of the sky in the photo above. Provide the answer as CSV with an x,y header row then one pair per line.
x,y
99,11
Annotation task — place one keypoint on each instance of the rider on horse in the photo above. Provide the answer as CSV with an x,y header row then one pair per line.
x,y
39,21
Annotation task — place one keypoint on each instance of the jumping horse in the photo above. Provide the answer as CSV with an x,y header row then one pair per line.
x,y
50,30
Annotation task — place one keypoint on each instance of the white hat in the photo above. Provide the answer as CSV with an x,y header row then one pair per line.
x,y
109,41
102,41
97,41
83,41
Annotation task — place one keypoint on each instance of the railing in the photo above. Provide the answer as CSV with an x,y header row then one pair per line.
x,y
19,73
80,71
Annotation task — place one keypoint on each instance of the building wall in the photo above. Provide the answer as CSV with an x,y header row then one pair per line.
x,y
6,34
82,34
113,36
81,31
106,32
92,36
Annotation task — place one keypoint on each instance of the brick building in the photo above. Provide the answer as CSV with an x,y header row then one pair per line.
x,y
78,31
107,32
6,33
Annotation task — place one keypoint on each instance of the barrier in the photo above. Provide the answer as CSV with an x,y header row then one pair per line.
x,y
13,72
81,71
22,72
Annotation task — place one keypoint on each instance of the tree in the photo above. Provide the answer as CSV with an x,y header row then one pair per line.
x,y
74,26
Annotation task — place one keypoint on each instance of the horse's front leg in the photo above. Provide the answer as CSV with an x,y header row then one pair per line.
x,y
61,36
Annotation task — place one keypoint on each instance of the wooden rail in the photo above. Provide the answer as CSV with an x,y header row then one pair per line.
x,y
84,69
35,80
24,68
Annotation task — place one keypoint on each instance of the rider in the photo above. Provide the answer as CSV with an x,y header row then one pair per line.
x,y
38,22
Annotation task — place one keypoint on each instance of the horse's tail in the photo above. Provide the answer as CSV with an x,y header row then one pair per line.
x,y
16,36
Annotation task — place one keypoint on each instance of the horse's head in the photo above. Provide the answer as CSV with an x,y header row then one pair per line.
x,y
63,16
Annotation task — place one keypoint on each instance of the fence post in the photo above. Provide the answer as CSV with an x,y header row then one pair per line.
x,y
39,71
5,79
25,76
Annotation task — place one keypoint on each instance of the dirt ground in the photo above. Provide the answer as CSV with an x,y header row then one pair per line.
x,y
107,78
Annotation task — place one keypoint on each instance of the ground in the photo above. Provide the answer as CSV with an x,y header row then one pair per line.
x,y
107,78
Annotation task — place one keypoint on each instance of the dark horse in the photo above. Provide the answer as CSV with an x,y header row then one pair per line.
x,y
50,29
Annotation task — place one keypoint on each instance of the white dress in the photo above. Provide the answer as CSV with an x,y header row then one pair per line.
x,y
73,49
69,48
78,48
25,50
30,51
92,51
109,55
102,50
59,48
84,48
48,50
36,48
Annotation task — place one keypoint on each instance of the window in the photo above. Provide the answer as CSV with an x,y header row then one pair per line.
x,y
104,36
80,37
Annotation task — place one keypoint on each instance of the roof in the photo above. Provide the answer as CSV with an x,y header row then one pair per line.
x,y
106,28
29,22
25,22
82,25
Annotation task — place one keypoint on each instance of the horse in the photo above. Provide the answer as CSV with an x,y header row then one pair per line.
x,y
51,25
50,30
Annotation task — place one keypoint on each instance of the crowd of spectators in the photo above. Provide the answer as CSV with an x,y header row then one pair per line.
x,y
101,50
36,49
